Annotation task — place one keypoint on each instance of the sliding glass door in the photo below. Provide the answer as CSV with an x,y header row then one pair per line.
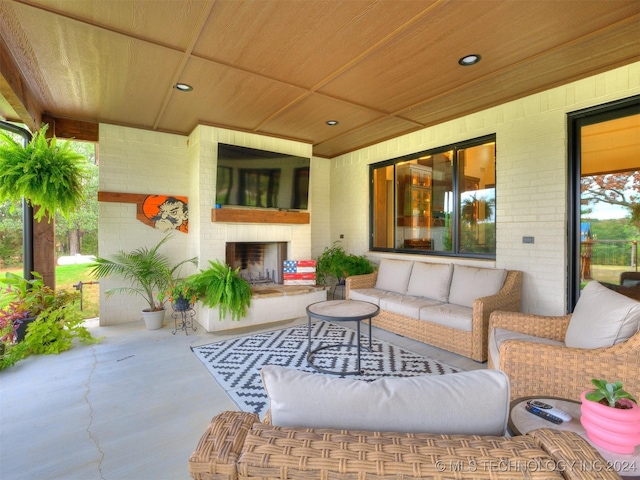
x,y
604,176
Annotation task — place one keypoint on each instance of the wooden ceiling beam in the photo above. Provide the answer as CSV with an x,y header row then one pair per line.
x,y
15,90
70,129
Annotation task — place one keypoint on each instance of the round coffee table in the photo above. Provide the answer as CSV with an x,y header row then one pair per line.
x,y
521,422
340,311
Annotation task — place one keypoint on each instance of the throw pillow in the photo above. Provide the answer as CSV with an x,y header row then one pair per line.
x,y
430,280
602,318
475,402
393,275
469,283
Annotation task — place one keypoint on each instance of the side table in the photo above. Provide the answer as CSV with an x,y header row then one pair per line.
x,y
340,311
521,422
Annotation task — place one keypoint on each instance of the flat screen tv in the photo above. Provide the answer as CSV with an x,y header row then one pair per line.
x,y
256,178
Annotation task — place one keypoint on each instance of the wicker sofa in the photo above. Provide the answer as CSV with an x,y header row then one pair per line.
x,y
326,427
444,305
236,445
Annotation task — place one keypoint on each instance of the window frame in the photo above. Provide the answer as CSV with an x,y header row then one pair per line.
x,y
575,121
456,175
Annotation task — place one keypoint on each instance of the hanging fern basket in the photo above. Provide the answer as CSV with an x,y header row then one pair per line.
x,y
46,172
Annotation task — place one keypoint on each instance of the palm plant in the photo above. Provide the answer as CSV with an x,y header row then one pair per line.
x,y
149,272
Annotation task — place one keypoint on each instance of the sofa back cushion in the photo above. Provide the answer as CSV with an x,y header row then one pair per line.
x,y
469,283
393,275
602,318
475,402
430,280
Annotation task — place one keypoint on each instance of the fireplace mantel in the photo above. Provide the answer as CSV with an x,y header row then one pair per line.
x,y
250,215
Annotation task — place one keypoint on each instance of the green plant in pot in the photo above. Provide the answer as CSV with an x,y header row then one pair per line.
x,y
35,319
149,273
46,172
181,294
335,263
611,417
23,301
221,286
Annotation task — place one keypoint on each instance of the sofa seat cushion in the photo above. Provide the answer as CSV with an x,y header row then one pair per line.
x,y
430,280
498,336
406,305
469,283
449,315
475,402
393,275
372,295
602,318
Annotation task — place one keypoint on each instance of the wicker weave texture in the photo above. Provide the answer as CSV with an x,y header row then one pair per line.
x,y
218,450
535,369
236,445
472,344
574,456
360,281
299,454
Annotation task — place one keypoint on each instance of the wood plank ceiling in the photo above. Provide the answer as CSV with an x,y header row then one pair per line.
x,y
382,68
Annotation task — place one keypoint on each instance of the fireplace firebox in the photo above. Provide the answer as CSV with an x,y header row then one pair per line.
x,y
260,263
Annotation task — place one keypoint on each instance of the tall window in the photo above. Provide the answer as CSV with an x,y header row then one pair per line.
x,y
604,154
437,201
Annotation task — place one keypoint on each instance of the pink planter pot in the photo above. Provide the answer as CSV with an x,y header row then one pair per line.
x,y
611,428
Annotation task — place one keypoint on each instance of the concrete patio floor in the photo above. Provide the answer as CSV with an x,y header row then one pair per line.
x,y
131,407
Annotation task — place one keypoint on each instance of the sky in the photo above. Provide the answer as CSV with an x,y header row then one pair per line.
x,y
606,211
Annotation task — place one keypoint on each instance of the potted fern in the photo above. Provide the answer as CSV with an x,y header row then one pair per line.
x,y
149,273
335,263
48,173
221,286
611,417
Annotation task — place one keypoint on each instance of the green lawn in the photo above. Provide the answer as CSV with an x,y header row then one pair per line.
x,y
69,275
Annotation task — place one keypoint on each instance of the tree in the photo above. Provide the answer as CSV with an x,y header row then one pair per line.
x,y
79,232
622,188
10,235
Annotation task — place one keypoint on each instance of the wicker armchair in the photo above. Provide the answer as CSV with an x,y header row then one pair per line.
x,y
536,369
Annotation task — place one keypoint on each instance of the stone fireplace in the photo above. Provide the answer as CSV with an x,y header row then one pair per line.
x,y
260,263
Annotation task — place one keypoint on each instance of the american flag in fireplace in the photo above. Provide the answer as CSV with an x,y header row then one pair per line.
x,y
299,272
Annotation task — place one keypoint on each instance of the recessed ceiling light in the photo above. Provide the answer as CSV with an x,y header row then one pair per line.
x,y
469,60
332,123
183,87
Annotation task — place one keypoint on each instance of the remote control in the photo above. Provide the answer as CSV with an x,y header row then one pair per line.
x,y
543,414
556,412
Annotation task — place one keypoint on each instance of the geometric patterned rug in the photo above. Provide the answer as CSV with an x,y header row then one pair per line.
x,y
236,363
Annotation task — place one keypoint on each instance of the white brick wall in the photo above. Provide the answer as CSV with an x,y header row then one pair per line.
x,y
135,161
531,187
531,180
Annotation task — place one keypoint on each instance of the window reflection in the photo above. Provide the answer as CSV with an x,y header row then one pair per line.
x,y
437,201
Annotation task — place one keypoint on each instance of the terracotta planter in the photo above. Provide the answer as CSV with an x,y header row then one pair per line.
x,y
613,429
153,320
